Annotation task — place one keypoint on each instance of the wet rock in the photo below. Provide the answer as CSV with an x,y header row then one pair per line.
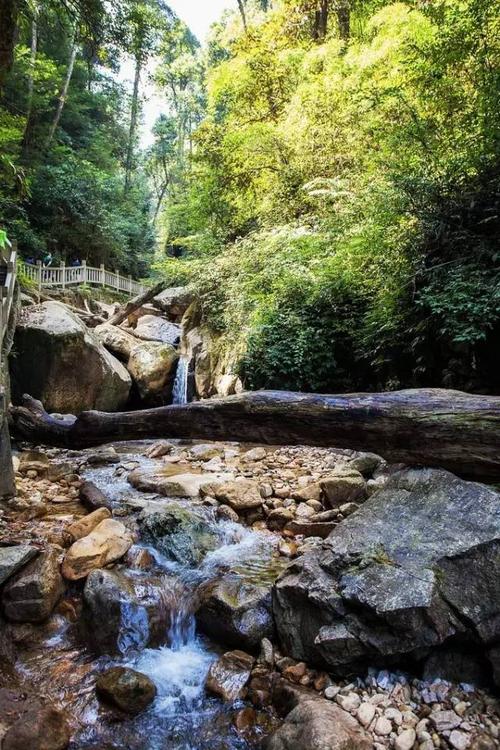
x,y
119,617
32,594
180,485
103,457
387,584
13,559
85,525
229,675
224,512
63,364
179,533
237,613
107,543
319,724
28,723
154,328
127,689
310,528
239,495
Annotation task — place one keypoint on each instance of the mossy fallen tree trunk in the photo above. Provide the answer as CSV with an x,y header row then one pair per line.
x,y
450,429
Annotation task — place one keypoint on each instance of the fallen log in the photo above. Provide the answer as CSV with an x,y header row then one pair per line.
x,y
135,303
431,427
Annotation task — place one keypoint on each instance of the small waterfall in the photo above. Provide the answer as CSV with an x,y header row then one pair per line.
x,y
179,391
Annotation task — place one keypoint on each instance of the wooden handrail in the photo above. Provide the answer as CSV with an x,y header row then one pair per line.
x,y
64,276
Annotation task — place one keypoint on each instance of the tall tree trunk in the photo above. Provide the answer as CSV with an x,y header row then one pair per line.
x,y
133,123
321,20
9,12
31,82
344,19
64,93
241,6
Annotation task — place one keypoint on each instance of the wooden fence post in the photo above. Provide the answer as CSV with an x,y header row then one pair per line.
x,y
117,272
84,271
39,266
63,274
103,275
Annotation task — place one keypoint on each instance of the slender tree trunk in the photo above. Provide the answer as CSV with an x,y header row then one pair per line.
x,y
31,82
133,123
9,12
63,95
241,6
344,19
321,20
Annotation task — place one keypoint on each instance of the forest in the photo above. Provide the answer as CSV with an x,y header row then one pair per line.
x,y
249,383
329,174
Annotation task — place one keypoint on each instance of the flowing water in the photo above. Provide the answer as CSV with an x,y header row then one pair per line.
x,y
183,716
180,388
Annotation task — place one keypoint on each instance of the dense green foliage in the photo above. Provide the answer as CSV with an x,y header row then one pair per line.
x,y
64,153
341,207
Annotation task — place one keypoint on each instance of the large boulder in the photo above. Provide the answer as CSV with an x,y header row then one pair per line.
x,y
387,586
107,543
152,367
119,342
32,594
177,485
13,559
174,301
154,328
123,613
237,612
62,363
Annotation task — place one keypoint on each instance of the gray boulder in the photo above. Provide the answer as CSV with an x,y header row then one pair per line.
x,y
62,363
174,301
13,559
387,586
154,328
237,613
179,533
123,613
32,594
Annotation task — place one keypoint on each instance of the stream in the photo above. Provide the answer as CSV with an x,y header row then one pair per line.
x,y
183,716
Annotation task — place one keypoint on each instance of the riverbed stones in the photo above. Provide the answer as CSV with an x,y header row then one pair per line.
x,y
13,559
387,584
107,543
63,364
237,613
344,486
127,689
32,594
228,676
92,497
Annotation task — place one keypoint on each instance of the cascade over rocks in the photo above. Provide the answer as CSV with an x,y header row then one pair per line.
x,y
387,586
179,533
60,361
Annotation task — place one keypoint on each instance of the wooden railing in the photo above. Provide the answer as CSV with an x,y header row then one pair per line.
x,y
7,286
64,276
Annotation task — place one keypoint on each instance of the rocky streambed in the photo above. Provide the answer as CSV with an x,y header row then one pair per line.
x,y
193,596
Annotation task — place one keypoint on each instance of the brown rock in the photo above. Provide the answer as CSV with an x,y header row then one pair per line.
x,y
29,724
229,675
295,672
346,486
240,496
109,541
84,526
127,689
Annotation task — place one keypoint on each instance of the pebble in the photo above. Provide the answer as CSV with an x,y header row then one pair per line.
x,y
383,726
365,714
349,702
459,740
405,740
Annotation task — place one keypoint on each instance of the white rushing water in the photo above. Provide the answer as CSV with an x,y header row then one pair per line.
x,y
179,391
